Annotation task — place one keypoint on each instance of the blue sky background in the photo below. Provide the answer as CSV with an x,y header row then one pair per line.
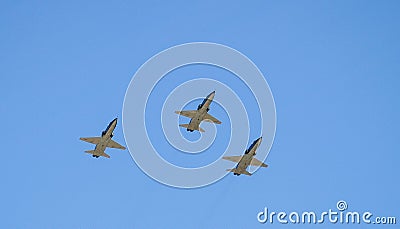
x,y
333,68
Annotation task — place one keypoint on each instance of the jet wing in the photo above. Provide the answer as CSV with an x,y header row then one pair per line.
x,y
233,158
210,118
256,162
113,144
189,114
93,140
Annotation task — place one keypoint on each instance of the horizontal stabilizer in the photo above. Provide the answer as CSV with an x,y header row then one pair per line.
x,y
94,152
184,125
187,127
239,172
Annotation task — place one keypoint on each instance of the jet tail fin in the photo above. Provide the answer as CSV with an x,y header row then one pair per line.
x,y
93,152
187,127
235,171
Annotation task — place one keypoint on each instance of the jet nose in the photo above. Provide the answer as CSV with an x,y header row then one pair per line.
x,y
211,95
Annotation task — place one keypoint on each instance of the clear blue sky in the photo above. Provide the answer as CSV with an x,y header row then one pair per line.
x,y
333,68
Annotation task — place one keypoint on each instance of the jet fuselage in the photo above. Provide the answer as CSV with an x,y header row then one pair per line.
x,y
105,138
202,109
247,157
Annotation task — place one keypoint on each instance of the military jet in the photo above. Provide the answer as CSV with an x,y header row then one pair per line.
x,y
199,115
104,141
246,160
